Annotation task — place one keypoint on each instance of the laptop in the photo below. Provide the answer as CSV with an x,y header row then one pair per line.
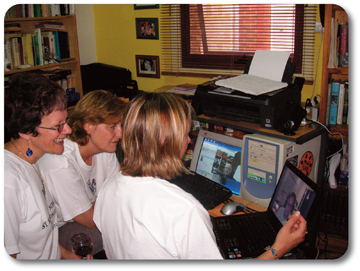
x,y
214,170
246,236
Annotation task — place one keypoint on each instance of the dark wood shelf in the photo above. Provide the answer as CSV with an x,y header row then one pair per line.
x,y
302,135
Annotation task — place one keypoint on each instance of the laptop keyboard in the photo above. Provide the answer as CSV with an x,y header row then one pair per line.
x,y
209,193
252,233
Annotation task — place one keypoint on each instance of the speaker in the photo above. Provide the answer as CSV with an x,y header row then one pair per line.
x,y
290,119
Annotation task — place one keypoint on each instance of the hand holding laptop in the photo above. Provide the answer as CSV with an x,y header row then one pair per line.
x,y
289,236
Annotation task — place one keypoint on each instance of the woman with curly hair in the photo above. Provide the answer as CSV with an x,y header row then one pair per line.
x,y
36,122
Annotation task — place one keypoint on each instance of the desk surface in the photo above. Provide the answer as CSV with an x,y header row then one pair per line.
x,y
216,211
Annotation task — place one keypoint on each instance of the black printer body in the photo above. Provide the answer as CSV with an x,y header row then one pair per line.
x,y
266,109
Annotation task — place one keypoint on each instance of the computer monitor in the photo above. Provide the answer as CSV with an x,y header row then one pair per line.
x,y
218,158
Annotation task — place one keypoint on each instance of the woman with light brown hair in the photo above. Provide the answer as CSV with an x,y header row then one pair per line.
x,y
75,177
140,214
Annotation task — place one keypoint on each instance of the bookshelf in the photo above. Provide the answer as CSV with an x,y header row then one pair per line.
x,y
71,63
333,239
339,73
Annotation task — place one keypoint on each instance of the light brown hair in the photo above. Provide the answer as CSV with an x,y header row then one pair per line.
x,y
154,129
98,106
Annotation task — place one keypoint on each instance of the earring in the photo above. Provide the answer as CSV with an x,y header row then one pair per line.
x,y
29,152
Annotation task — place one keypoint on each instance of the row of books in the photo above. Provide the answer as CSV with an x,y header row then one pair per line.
x,y
34,47
337,103
201,125
64,78
339,48
39,10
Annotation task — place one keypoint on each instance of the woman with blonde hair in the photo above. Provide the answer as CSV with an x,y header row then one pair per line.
x,y
140,214
75,178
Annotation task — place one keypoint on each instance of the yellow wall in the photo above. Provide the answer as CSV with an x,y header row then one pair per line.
x,y
116,44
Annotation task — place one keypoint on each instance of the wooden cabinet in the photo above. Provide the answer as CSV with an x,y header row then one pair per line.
x,y
340,73
71,63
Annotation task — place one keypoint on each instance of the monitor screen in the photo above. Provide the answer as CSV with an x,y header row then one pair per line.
x,y
294,192
218,158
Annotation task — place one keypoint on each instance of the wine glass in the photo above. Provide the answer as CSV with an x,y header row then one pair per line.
x,y
82,245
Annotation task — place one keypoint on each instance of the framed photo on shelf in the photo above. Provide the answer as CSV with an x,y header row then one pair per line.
x,y
145,6
147,28
147,66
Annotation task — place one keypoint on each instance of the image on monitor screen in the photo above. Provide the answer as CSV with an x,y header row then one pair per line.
x,y
293,194
220,162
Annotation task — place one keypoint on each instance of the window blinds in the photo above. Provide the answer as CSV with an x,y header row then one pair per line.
x,y
208,40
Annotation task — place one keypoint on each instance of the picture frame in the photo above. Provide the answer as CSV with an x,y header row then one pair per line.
x,y
147,28
145,6
147,66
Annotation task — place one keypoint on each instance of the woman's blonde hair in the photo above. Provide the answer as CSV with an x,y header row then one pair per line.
x,y
154,129
98,106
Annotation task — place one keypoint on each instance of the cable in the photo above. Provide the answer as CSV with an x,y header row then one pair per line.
x,y
342,139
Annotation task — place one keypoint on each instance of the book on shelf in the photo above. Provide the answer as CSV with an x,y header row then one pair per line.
x,y
334,102
343,46
328,103
51,26
346,106
341,103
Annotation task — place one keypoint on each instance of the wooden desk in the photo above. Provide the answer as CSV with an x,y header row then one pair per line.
x,y
216,211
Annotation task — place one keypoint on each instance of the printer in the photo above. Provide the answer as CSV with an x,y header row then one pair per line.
x,y
266,109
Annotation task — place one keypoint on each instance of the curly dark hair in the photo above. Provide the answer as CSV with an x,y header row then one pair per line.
x,y
28,99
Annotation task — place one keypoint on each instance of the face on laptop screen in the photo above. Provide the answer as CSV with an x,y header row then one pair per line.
x,y
292,194
221,163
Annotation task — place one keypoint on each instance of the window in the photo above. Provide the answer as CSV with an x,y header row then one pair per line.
x,y
220,39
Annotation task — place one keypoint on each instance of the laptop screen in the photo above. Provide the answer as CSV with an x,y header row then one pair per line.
x,y
294,192
218,158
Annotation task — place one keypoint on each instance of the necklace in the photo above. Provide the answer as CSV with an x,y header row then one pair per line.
x,y
38,173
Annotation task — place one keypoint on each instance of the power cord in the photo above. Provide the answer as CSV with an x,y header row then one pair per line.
x,y
342,139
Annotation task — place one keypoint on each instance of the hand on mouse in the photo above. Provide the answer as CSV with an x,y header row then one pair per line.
x,y
289,236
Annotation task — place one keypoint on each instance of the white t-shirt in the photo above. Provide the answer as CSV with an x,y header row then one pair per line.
x,y
74,184
149,218
31,229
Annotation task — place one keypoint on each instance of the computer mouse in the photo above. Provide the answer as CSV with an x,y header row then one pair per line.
x,y
232,208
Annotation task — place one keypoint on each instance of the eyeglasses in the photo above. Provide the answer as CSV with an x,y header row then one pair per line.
x,y
58,129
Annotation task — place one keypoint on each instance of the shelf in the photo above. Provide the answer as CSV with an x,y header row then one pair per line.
x,y
52,18
44,67
302,135
339,70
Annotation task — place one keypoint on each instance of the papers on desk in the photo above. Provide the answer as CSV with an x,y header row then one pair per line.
x,y
184,89
265,74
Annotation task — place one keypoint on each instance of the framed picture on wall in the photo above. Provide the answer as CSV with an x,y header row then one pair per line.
x,y
147,28
145,6
147,66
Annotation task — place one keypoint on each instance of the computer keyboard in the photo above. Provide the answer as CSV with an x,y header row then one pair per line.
x,y
243,236
209,193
